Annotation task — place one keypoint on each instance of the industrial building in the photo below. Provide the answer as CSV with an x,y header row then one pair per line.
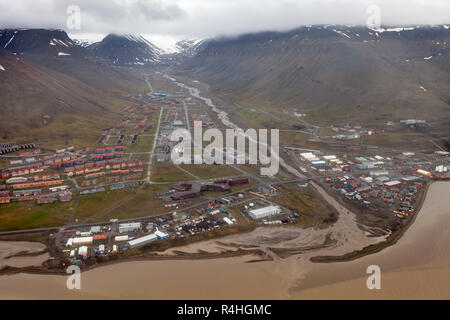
x,y
82,240
142,240
121,238
264,212
392,184
129,227
95,229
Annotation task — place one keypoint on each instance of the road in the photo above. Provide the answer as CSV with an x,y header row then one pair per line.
x,y
187,116
155,140
152,153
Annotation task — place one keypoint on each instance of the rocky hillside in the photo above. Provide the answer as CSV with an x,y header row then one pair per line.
x,y
46,76
334,72
132,50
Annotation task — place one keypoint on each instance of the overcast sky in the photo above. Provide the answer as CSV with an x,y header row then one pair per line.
x,y
209,18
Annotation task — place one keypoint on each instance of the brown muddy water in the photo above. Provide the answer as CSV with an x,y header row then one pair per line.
x,y
417,266
8,250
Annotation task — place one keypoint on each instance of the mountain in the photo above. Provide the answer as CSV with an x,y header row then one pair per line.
x,y
48,78
333,73
190,47
35,40
127,50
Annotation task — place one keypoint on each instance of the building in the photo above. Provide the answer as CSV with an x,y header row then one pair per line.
x,y
366,165
100,237
161,235
363,189
82,240
121,238
83,251
95,229
227,220
264,212
266,189
392,184
382,179
142,240
410,178
129,227
378,173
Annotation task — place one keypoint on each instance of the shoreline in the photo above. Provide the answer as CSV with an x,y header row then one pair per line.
x,y
392,239
154,256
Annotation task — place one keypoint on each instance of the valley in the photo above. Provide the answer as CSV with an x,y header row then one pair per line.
x,y
359,148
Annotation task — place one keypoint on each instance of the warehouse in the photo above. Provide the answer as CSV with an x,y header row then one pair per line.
x,y
264,212
121,238
95,229
82,240
378,173
410,178
129,227
142,240
308,156
391,184
366,165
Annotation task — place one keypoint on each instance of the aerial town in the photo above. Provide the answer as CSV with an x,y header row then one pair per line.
x,y
385,182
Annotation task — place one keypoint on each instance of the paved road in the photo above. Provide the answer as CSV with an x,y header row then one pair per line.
x,y
4,233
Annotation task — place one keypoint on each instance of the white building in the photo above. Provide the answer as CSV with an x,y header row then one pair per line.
x,y
264,212
121,238
161,235
227,220
378,173
83,251
82,240
129,227
69,242
142,240
95,229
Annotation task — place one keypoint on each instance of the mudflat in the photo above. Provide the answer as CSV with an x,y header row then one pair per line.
x,y
416,267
